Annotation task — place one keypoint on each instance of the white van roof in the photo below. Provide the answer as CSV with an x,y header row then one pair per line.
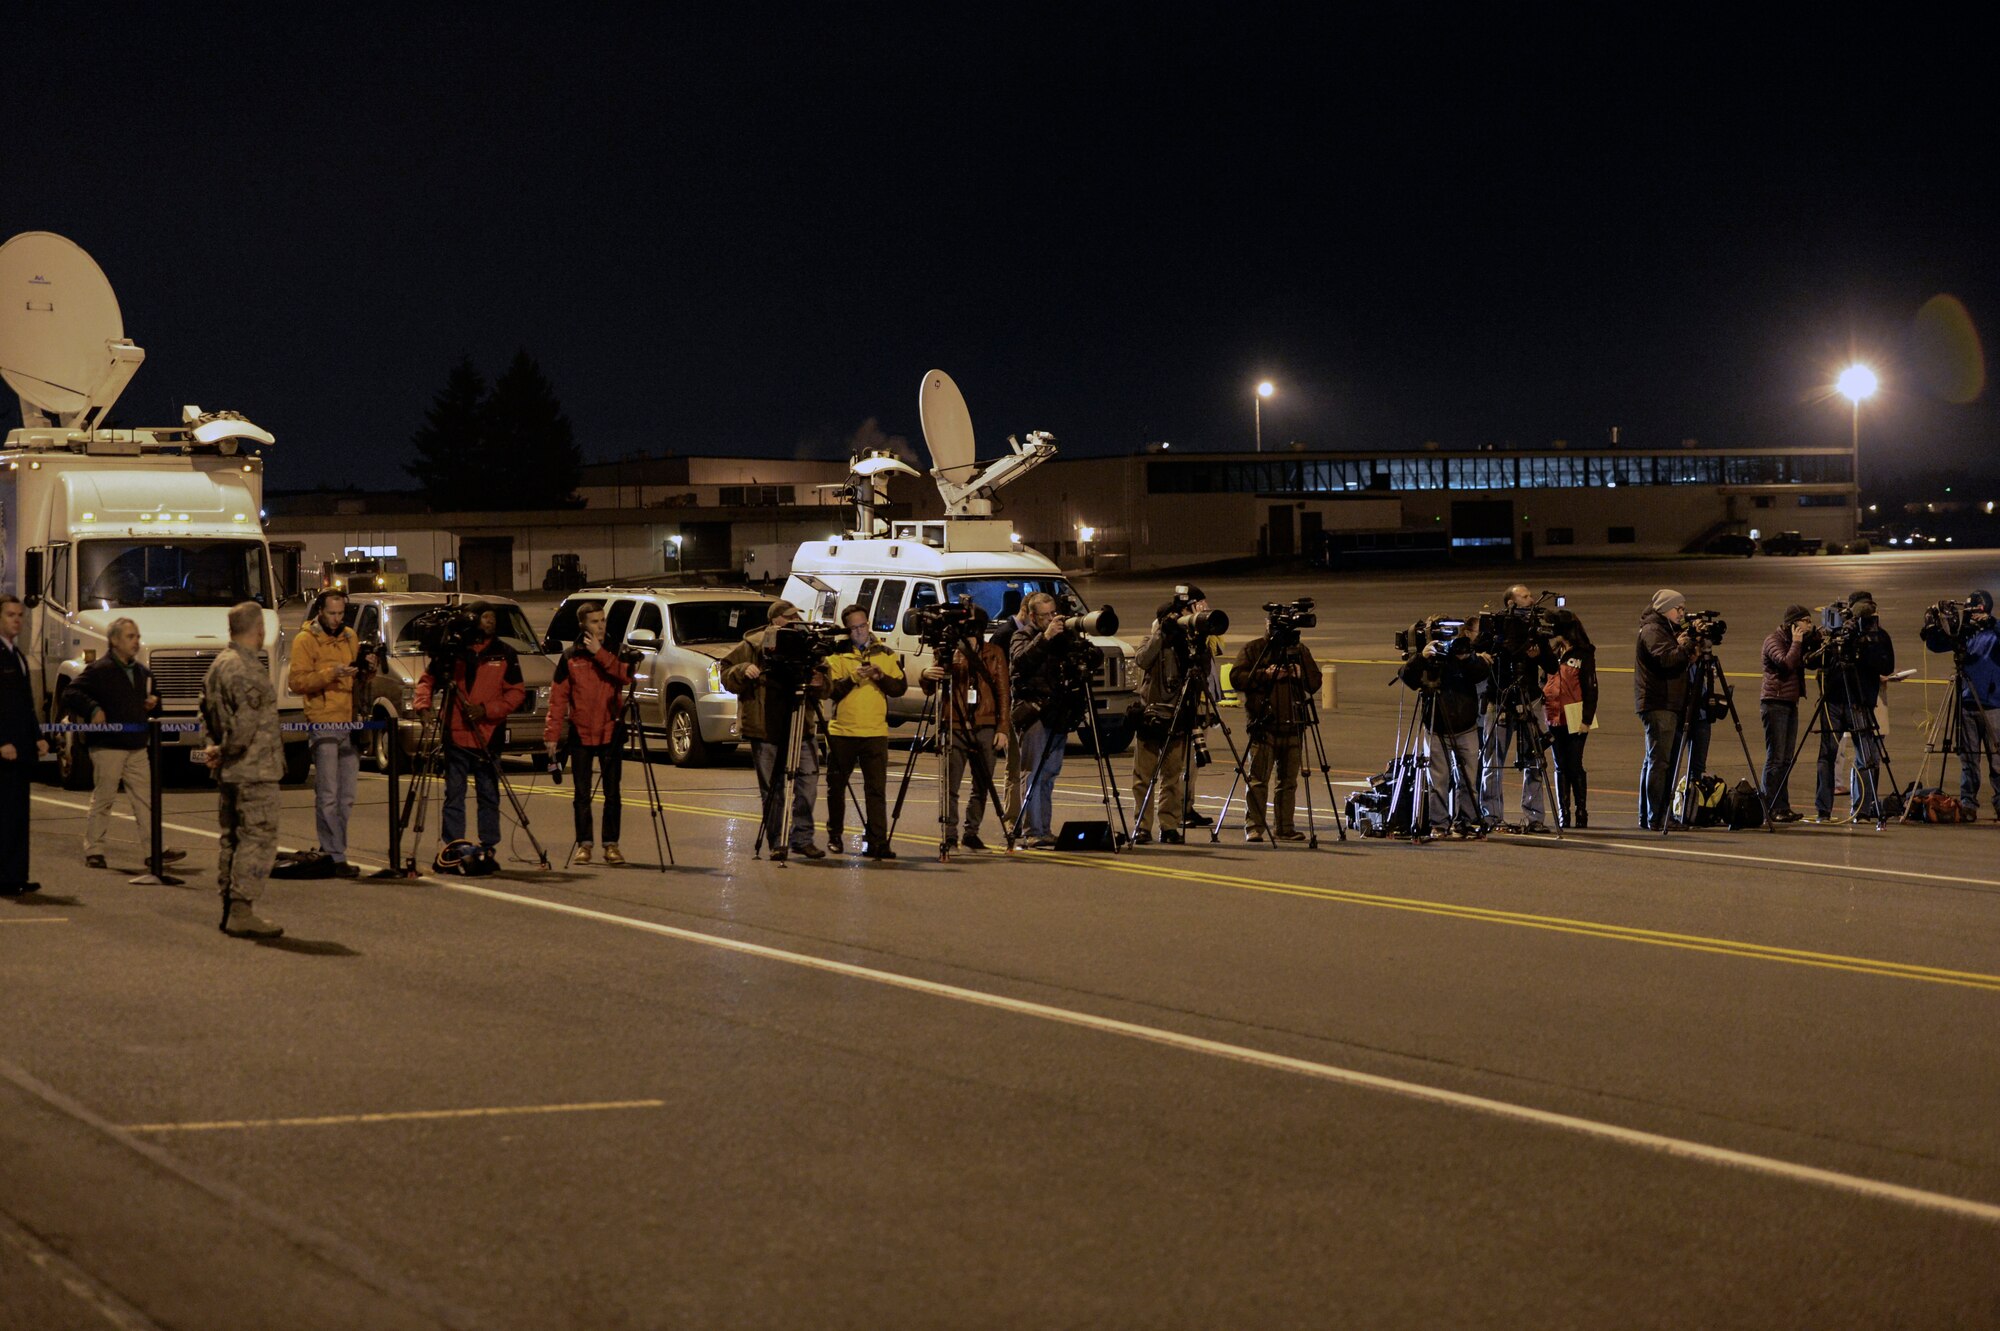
x,y
876,558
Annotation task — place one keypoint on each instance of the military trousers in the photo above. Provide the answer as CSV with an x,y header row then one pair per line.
x,y
248,813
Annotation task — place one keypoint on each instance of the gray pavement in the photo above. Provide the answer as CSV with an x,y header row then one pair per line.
x,y
1719,1079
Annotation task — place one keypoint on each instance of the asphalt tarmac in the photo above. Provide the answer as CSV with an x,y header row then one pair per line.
x,y
1719,1079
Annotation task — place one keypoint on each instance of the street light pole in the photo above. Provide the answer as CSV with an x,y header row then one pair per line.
x,y
1264,390
1856,382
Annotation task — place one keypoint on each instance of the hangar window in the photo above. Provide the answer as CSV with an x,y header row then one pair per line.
x,y
1560,536
1621,535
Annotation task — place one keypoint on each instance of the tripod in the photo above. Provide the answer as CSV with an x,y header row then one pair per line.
x,y
1079,683
1951,732
946,726
1867,735
1310,726
784,782
1704,675
640,752
429,770
1516,709
1194,690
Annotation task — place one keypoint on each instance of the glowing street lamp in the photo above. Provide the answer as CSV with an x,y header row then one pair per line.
x,y
1855,383
1264,390
675,541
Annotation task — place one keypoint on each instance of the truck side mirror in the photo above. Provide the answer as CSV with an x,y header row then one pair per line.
x,y
34,573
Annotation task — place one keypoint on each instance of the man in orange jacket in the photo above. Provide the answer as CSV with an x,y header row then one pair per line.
x,y
488,681
589,697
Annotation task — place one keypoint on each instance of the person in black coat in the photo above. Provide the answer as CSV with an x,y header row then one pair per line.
x,y
21,744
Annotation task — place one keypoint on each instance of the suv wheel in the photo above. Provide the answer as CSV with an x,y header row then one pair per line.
x,y
684,742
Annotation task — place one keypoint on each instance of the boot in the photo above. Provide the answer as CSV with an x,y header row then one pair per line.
x,y
239,921
582,853
611,853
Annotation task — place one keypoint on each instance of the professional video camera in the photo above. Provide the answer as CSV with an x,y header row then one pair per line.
x,y
1282,622
942,627
1446,629
802,648
1954,621
446,630
1705,626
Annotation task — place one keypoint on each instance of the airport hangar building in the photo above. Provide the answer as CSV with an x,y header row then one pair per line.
x,y
1162,509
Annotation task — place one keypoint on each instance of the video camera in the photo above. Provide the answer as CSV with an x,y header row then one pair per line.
x,y
1446,629
1705,626
1955,621
801,648
943,627
1282,621
446,630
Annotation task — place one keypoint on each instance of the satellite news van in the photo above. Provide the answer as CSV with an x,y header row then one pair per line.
x,y
161,525
889,570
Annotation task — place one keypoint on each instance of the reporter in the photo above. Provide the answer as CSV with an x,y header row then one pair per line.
x,y
1572,682
1778,707
585,718
861,680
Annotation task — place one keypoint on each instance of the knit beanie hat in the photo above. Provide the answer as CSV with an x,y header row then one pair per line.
x,y
1984,598
1862,609
1793,614
1666,599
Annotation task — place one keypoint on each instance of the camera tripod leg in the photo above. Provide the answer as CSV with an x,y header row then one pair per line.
x,y
640,750
520,812
927,724
1107,784
1325,765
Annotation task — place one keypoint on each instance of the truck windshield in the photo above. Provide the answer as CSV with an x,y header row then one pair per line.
x,y
999,596
717,621
117,574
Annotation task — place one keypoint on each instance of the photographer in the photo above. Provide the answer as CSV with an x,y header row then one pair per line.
x,y
1512,719
972,713
1853,657
861,680
116,689
1570,692
1449,673
1043,713
1661,674
589,695
1163,737
1974,642
487,678
1275,683
1778,707
767,692
1013,619
325,664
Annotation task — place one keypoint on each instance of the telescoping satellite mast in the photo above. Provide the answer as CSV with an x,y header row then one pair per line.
x,y
64,352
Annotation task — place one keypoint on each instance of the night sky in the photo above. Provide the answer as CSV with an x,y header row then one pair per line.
x,y
747,238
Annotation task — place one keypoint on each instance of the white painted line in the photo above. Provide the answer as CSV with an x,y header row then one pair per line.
x,y
400,1116
1672,1146
1817,866
88,1289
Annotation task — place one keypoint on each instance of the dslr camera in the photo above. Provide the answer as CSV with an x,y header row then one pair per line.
x,y
1282,621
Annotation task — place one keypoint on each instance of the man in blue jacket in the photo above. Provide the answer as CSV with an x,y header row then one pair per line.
x,y
1979,697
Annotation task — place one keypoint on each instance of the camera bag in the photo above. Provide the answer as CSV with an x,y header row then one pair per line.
x,y
1742,806
1086,836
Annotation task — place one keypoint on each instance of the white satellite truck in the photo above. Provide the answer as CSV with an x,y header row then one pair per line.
x,y
162,525
890,569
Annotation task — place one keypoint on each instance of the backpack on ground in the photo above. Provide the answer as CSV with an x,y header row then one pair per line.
x,y
464,859
1707,803
1742,806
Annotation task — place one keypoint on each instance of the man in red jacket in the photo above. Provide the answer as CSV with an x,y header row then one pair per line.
x,y
488,679
589,695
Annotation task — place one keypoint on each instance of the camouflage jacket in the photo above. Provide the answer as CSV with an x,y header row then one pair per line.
x,y
239,704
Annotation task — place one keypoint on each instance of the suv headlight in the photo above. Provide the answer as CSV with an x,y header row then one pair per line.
x,y
715,679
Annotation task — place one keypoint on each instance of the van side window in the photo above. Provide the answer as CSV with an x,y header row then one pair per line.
x,y
615,622
888,604
829,606
866,597
925,593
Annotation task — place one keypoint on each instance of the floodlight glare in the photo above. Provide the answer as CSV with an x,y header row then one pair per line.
x,y
1264,389
1857,382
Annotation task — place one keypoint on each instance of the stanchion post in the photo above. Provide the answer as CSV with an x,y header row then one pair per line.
x,y
157,875
392,745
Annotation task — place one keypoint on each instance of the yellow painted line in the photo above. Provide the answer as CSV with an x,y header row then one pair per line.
x,y
51,919
411,1116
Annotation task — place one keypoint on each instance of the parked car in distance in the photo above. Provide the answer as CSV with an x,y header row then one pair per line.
x,y
1731,543
1791,543
681,634
383,620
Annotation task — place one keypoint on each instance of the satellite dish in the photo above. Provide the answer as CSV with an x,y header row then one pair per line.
x,y
62,338
947,424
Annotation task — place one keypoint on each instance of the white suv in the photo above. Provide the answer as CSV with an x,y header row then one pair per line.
x,y
682,634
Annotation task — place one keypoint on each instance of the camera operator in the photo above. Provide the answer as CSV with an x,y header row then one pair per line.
x,y
973,715
487,677
1450,672
1274,683
861,680
1043,713
1778,707
116,689
1974,633
766,688
589,695
1570,691
1520,660
1854,659
1013,620
1164,741
1194,601
325,665
1660,678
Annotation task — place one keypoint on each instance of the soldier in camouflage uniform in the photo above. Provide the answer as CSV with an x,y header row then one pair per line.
x,y
239,704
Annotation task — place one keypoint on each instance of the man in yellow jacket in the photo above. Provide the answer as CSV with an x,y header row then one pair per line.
x,y
861,680
323,673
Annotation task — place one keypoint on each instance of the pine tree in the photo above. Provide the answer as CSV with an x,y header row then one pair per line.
x,y
452,463
533,452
